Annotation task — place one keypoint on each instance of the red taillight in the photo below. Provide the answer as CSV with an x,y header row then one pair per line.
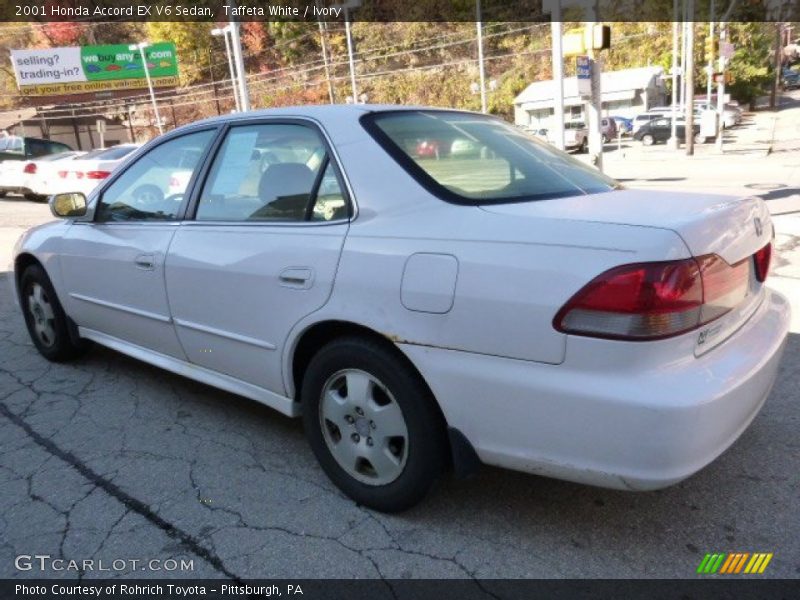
x,y
30,169
97,174
648,301
63,174
762,259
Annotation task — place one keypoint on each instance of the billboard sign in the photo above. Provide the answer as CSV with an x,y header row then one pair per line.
x,y
81,69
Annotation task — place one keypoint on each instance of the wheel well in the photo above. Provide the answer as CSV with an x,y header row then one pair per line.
x,y
22,262
316,336
319,334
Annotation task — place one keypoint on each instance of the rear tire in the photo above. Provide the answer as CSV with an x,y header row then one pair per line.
x,y
46,320
699,139
372,424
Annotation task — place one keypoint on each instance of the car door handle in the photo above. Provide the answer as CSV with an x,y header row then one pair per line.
x,y
145,261
297,277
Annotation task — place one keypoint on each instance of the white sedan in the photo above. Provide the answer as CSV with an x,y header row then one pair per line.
x,y
28,177
510,306
88,171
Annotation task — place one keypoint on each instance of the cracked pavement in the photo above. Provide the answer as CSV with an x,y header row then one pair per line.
x,y
108,458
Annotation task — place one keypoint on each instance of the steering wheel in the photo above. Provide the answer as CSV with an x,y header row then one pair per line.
x,y
148,196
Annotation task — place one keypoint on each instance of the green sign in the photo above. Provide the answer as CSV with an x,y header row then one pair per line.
x,y
101,63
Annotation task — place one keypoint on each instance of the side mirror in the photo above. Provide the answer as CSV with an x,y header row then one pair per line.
x,y
68,205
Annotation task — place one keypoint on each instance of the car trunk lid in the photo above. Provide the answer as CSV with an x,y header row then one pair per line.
x,y
732,228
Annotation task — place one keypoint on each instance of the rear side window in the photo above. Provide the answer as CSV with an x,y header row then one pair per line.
x,y
272,172
474,159
37,147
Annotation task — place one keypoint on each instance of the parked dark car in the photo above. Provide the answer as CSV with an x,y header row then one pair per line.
x,y
14,147
660,130
790,79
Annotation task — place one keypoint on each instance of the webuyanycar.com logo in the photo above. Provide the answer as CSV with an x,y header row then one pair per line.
x,y
734,563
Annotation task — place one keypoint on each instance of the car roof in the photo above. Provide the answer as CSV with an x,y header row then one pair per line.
x,y
324,113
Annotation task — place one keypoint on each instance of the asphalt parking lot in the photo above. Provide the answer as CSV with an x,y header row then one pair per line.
x,y
110,459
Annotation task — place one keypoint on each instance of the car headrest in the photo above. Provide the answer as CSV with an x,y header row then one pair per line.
x,y
286,180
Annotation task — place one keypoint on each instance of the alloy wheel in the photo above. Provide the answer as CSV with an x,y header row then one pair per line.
x,y
363,427
43,316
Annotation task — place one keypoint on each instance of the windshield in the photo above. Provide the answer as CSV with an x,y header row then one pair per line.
x,y
113,153
474,159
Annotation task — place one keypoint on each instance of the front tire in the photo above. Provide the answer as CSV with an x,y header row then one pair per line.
x,y
45,318
648,140
372,424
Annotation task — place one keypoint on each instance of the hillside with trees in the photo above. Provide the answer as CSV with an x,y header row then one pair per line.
x,y
409,63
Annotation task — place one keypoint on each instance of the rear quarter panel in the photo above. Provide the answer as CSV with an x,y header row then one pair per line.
x,y
513,275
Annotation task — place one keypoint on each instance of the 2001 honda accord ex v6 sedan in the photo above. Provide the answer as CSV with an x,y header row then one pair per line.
x,y
493,301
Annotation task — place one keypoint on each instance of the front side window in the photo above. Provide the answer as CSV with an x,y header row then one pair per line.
x,y
152,188
480,159
272,172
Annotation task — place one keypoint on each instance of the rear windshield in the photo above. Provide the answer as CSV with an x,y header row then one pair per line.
x,y
475,159
114,153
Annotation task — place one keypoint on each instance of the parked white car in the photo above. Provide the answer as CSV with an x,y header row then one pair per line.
x,y
518,308
84,174
576,136
42,183
731,115
29,177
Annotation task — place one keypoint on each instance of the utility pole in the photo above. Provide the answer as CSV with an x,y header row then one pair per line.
x,y
140,47
689,132
213,81
673,140
481,71
594,106
682,99
773,96
234,85
723,36
558,74
324,44
236,43
710,65
350,53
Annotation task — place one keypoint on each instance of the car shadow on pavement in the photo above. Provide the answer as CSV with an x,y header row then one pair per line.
x,y
216,464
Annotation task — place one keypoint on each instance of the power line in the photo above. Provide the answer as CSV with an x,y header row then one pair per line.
x,y
205,93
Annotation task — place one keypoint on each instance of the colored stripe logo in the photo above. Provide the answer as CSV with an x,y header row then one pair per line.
x,y
734,563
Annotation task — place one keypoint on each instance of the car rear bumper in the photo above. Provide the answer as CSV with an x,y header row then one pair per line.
x,y
629,428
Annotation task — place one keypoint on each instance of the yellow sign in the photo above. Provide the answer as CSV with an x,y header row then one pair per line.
x,y
82,87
